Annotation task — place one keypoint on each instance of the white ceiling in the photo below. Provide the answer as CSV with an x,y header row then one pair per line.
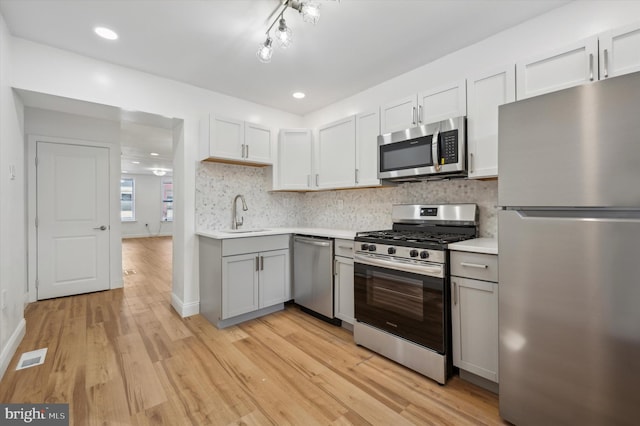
x,y
212,43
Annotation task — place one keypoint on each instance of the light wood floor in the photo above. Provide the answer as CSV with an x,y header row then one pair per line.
x,y
125,357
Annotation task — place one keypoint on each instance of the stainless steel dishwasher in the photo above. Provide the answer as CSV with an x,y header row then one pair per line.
x,y
313,276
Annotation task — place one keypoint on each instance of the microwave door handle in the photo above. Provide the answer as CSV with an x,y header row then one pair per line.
x,y
435,150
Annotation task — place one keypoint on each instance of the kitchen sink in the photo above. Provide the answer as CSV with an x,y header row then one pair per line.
x,y
243,231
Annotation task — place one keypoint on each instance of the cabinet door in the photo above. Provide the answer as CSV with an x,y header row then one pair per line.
x,y
226,138
336,155
620,51
442,102
257,141
367,131
344,300
485,93
399,115
294,159
474,316
274,277
566,67
239,284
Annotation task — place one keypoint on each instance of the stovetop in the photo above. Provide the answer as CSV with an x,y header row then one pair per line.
x,y
391,236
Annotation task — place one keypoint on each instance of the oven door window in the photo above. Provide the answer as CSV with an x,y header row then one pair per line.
x,y
405,304
411,154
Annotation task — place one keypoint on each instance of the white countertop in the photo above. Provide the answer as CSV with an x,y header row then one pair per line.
x,y
477,245
318,232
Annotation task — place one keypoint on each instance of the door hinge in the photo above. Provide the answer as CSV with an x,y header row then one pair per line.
x,y
37,283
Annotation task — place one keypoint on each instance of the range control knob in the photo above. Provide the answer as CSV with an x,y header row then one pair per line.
x,y
424,254
413,253
372,247
391,250
364,247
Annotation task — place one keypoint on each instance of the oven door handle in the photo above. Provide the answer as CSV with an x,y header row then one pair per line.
x,y
429,269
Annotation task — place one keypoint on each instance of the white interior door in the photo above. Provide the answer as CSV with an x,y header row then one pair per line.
x,y
72,219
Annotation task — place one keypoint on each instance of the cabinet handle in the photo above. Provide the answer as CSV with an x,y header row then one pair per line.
x,y
308,181
335,267
257,263
262,263
346,247
357,179
317,179
591,66
247,151
242,151
471,162
455,293
474,265
413,115
606,63
419,113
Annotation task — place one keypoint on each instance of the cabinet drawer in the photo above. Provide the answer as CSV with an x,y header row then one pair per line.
x,y
474,265
344,248
234,246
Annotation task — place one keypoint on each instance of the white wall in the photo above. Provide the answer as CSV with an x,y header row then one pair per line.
x,y
53,71
148,208
13,245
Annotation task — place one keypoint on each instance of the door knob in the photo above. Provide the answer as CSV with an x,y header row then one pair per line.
x,y
101,228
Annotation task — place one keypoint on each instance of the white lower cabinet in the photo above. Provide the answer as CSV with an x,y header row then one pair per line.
x,y
243,278
343,282
474,313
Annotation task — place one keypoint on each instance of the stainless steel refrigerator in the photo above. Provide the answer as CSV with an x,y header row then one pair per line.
x,y
569,263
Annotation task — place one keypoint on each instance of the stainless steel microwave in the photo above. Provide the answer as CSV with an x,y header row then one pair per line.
x,y
431,151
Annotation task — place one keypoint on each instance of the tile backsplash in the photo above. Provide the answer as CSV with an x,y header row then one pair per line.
x,y
359,209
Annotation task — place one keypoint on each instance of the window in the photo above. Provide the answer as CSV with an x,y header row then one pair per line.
x,y
127,200
167,199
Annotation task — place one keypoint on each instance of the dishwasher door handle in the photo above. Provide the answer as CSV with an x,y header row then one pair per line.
x,y
312,241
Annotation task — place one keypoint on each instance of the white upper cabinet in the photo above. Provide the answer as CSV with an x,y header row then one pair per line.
x,y
485,93
234,141
428,106
400,114
367,131
257,140
294,166
442,102
336,155
620,51
559,69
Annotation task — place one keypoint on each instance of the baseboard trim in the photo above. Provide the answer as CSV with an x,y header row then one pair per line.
x,y
12,345
184,309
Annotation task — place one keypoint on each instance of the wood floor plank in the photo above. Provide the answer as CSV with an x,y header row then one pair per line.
x,y
124,357
142,387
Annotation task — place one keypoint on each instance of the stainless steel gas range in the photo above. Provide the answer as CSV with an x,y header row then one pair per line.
x,y
401,280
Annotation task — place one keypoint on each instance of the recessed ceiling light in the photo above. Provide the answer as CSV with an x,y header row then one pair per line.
x,y
106,33
135,162
299,95
155,154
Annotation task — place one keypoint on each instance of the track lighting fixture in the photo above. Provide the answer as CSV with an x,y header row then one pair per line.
x,y
310,12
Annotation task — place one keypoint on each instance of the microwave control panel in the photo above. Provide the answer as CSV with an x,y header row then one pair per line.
x,y
448,147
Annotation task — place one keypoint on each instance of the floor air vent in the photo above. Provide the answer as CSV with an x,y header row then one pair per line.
x,y
31,359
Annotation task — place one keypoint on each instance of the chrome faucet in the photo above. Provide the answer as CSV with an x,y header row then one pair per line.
x,y
235,224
